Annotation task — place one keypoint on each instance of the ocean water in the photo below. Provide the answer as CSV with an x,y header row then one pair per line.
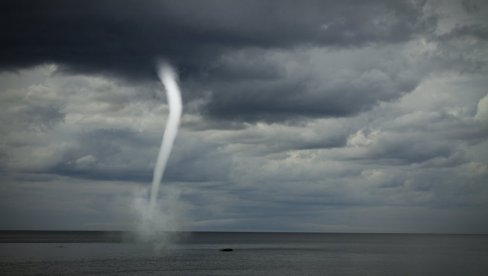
x,y
95,253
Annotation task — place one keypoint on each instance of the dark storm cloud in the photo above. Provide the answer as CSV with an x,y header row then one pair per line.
x,y
124,38
103,35
277,100
308,82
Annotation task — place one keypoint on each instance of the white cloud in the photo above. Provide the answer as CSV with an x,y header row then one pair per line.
x,y
482,110
362,139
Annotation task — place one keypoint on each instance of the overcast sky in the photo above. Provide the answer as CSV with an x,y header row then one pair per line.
x,y
336,116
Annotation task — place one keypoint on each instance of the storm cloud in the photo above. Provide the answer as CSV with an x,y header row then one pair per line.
x,y
125,35
123,38
362,116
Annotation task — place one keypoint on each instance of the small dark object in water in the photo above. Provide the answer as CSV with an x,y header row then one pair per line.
x,y
226,249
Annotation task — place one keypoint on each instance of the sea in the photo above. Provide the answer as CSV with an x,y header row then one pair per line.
x,y
200,253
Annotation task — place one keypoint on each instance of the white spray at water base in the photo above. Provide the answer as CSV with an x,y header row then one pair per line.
x,y
159,216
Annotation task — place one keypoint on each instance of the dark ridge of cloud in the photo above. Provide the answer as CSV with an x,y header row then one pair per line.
x,y
289,98
103,174
472,30
335,142
187,172
281,102
124,37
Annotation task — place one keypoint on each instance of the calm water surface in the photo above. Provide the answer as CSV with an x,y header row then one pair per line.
x,y
255,254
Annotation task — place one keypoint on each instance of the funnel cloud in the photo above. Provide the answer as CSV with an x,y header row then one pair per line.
x,y
168,77
156,218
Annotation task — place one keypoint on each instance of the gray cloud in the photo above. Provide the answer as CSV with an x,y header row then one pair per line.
x,y
310,116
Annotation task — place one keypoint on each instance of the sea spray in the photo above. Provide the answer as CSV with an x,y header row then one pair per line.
x,y
159,224
158,220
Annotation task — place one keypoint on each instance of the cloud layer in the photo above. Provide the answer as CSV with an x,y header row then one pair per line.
x,y
310,116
